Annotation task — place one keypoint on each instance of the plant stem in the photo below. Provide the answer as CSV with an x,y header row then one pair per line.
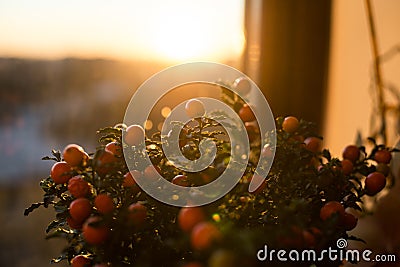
x,y
377,69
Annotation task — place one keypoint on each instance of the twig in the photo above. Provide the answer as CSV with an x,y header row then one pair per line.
x,y
378,76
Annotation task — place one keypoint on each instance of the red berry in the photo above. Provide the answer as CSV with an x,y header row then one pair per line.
x,y
383,168
181,180
351,153
74,224
383,156
80,261
137,214
331,208
347,166
349,221
313,144
374,183
309,238
134,135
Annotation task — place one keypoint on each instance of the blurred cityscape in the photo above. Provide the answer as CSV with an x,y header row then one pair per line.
x,y
45,105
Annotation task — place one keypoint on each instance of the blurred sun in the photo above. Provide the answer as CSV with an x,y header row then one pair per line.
x,y
174,30
196,32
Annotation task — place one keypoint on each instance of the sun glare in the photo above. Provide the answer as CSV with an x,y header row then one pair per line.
x,y
197,32
174,30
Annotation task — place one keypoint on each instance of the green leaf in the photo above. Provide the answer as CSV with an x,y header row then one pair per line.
x,y
60,258
326,154
109,130
33,207
54,224
56,154
59,232
50,158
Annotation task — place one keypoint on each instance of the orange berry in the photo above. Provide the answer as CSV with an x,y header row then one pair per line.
x,y
74,155
80,209
95,235
104,204
104,163
203,235
194,108
80,261
188,217
60,172
78,187
267,152
246,114
242,85
134,135
290,124
114,148
129,178
252,131
151,173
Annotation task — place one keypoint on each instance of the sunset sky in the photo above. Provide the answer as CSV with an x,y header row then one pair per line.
x,y
147,29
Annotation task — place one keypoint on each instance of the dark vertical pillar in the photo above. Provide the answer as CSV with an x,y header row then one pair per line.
x,y
294,55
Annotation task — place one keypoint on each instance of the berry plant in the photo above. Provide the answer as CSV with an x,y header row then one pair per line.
x,y
309,199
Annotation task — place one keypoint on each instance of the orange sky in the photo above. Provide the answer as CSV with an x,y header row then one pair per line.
x,y
174,30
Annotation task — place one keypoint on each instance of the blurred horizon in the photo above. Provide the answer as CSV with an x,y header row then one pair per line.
x,y
47,104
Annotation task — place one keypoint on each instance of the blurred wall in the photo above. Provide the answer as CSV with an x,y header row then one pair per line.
x,y
349,99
